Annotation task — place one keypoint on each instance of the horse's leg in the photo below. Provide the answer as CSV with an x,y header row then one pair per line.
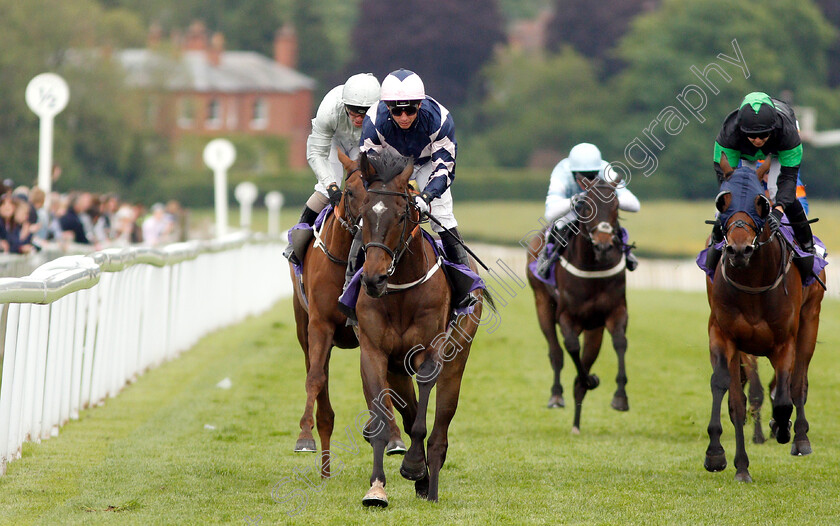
x,y
738,415
325,419
571,340
374,373
806,340
756,394
305,442
407,407
591,347
448,391
617,325
546,315
414,464
715,455
783,361
319,344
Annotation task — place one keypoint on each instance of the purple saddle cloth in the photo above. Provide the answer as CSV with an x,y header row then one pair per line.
x,y
551,279
305,226
351,294
787,232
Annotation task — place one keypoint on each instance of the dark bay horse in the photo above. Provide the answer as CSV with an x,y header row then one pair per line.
x,y
320,325
758,306
588,296
403,330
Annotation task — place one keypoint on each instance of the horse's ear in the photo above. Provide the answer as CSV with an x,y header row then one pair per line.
x,y
364,167
405,175
345,161
723,200
762,206
763,169
725,166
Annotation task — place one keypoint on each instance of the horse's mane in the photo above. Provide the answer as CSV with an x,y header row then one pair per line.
x,y
386,165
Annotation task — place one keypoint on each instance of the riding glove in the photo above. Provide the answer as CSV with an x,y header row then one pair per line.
x,y
334,194
775,220
421,203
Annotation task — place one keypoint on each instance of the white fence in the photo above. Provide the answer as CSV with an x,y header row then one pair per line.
x,y
80,327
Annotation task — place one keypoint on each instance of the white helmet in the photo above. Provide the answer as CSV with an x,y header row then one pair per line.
x,y
360,90
402,86
585,157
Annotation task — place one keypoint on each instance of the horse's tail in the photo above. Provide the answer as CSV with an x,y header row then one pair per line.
x,y
487,297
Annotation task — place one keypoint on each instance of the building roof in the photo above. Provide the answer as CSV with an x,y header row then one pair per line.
x,y
236,72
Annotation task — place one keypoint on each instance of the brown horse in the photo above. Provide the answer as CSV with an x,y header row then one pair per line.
x,y
760,307
589,295
403,328
320,325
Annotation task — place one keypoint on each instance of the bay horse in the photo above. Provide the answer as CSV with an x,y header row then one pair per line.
x,y
759,306
588,296
320,325
403,330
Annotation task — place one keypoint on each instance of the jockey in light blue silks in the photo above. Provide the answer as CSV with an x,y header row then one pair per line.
x,y
337,126
409,123
563,191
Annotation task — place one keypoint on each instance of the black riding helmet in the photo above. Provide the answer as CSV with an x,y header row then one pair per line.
x,y
757,114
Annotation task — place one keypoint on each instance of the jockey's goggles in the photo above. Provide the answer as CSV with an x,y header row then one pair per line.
x,y
760,135
398,108
358,110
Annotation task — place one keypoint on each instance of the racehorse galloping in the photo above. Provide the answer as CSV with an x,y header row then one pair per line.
x,y
403,328
758,306
587,296
320,325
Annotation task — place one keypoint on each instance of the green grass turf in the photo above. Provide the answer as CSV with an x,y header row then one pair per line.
x,y
146,457
659,229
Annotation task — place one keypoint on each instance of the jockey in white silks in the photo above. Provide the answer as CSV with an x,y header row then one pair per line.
x,y
563,191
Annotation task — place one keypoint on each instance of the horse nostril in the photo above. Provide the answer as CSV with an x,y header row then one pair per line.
x,y
748,251
729,250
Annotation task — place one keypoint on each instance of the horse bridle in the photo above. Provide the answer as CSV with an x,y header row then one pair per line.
x,y
740,223
396,253
784,261
352,224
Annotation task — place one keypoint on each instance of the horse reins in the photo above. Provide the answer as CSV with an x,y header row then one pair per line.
x,y
349,225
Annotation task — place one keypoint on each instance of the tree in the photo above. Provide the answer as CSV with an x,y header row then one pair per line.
x,y
831,10
535,102
593,28
783,46
444,42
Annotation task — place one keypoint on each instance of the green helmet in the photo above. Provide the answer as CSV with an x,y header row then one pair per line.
x,y
757,114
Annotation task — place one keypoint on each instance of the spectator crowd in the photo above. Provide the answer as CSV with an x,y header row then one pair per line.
x,y
30,221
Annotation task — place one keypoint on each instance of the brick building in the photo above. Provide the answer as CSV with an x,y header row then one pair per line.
x,y
199,89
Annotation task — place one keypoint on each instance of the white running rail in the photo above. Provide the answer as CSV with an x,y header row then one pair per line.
x,y
78,328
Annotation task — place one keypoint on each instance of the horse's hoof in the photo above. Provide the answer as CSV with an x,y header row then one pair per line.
x,y
619,403
395,447
743,477
781,433
414,473
715,463
556,401
801,447
421,488
305,445
758,438
575,430
593,381
376,496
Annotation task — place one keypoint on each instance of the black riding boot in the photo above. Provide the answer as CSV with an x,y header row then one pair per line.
x,y
308,216
455,252
713,254
802,232
355,259
547,258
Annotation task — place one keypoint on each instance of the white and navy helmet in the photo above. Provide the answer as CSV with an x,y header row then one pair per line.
x,y
402,88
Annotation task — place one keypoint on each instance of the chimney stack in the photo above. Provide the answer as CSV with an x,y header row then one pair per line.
x,y
217,47
285,46
196,37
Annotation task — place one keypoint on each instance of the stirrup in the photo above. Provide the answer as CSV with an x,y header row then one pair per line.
x,y
631,262
289,254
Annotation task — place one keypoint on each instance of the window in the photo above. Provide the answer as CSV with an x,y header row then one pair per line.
x,y
260,114
214,113
186,112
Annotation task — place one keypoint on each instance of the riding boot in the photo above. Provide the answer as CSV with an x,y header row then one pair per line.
x,y
631,261
547,258
455,253
355,260
308,216
804,237
713,254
